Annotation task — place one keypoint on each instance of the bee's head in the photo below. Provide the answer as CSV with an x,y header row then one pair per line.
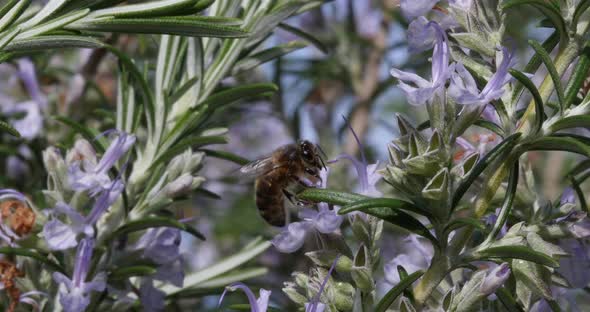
x,y
309,154
308,151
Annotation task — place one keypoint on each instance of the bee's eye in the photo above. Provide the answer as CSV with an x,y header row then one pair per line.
x,y
307,152
310,171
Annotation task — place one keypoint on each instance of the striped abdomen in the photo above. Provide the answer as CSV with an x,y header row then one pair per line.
x,y
270,198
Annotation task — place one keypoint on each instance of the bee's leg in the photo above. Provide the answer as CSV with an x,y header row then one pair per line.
x,y
294,200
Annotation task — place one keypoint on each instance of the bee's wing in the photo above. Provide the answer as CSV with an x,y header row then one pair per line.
x,y
257,167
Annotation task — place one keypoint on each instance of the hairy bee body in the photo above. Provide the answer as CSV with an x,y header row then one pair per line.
x,y
293,164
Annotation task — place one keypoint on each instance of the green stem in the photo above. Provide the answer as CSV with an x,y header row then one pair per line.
x,y
439,267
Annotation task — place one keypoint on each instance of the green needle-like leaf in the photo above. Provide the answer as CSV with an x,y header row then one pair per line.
x,y
579,75
31,253
559,143
131,271
191,142
182,26
4,126
152,222
331,197
517,252
582,121
88,133
262,57
392,203
539,110
396,291
552,72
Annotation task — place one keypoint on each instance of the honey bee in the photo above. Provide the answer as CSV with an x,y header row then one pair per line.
x,y
293,164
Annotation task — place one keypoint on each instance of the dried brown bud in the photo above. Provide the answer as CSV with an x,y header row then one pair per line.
x,y
18,215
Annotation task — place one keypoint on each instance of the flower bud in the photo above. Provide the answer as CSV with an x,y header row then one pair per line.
x,y
301,279
56,170
291,292
81,152
343,296
495,279
325,258
181,186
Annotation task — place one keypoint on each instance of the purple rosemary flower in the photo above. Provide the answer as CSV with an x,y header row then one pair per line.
x,y
27,74
495,278
31,125
568,196
424,90
86,176
576,269
464,5
60,236
315,305
74,293
421,35
367,174
324,220
464,89
416,255
414,8
27,298
152,298
160,244
256,305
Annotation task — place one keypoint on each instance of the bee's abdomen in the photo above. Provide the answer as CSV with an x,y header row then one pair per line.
x,y
269,200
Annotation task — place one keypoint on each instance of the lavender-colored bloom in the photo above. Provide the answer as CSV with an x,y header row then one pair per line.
x,y
576,268
422,36
315,305
495,278
416,256
60,236
26,72
424,90
461,4
160,244
291,239
464,89
95,178
318,307
27,298
414,8
324,220
568,196
31,125
74,294
256,305
152,299
489,113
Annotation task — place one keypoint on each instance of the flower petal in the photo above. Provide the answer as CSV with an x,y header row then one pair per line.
x,y
414,8
292,238
59,236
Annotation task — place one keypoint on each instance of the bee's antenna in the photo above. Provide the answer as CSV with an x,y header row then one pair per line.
x,y
323,153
